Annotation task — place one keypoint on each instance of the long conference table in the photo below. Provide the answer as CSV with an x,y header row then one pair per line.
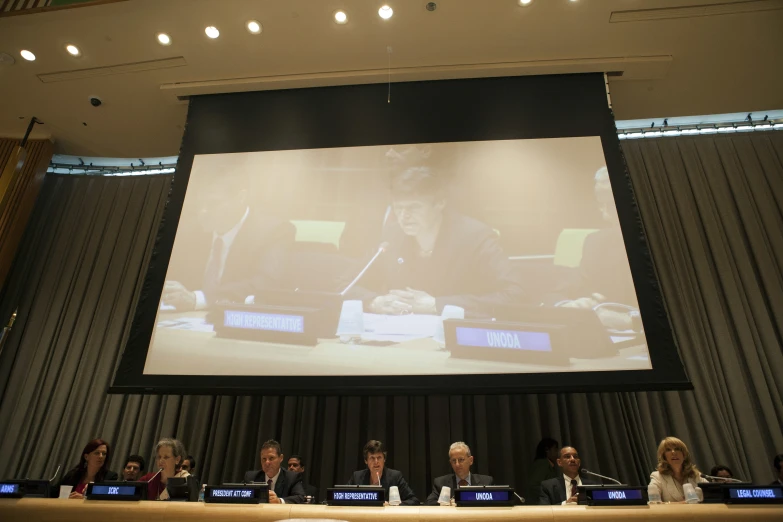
x,y
66,510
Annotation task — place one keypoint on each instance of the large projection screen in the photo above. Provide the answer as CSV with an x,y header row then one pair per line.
x,y
469,236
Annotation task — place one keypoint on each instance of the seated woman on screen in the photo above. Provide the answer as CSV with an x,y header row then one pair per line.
x,y
93,467
170,454
675,469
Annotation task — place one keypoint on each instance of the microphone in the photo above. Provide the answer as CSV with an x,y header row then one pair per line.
x,y
720,479
601,476
381,249
521,499
55,474
379,477
153,478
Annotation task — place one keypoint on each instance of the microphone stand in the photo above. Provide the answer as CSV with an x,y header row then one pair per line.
x,y
602,476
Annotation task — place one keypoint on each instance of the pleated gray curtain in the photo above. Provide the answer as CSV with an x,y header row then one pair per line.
x,y
712,212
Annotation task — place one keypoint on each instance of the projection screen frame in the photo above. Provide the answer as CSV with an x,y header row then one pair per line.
x,y
418,112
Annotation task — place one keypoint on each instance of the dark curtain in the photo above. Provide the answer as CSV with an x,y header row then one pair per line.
x,y
712,211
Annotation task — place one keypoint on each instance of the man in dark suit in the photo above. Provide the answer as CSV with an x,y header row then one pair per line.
x,y
777,462
435,256
563,489
296,464
285,487
378,474
225,249
461,460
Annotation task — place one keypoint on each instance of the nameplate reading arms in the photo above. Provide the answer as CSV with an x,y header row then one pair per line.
x,y
116,491
355,496
484,496
753,495
264,321
237,494
612,496
11,490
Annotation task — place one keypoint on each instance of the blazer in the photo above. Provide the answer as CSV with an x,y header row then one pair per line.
x,y
74,477
450,480
155,488
389,477
289,485
668,487
553,491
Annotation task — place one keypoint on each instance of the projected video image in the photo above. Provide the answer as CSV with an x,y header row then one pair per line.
x,y
431,259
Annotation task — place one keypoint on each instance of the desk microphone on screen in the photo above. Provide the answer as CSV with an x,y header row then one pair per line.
x,y
712,478
381,249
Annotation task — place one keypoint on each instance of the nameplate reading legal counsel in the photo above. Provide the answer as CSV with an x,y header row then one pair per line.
x,y
355,496
237,494
753,495
116,491
263,321
484,496
612,496
10,490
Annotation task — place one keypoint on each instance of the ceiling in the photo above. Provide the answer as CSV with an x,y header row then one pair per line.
x,y
720,57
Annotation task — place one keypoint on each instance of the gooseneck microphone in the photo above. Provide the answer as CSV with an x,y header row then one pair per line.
x,y
720,479
381,249
601,476
153,478
55,474
521,499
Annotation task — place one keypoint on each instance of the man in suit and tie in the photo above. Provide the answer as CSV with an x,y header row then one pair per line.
x,y
296,464
378,474
225,249
285,487
563,489
461,460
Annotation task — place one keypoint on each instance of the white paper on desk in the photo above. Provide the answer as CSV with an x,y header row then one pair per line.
x,y
415,325
194,324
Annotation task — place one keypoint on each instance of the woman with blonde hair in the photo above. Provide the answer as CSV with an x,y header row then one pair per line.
x,y
675,469
170,454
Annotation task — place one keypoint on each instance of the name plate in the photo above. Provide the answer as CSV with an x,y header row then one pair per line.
x,y
267,322
509,342
753,494
612,496
19,488
116,490
355,496
484,496
11,490
237,494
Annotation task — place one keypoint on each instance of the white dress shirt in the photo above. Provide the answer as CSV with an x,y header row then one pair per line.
x,y
228,239
568,480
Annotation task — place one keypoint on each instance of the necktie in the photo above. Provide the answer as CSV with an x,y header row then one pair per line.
x,y
574,489
462,483
212,274
271,484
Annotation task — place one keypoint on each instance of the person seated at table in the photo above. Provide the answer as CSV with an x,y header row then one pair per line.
x,y
296,464
435,256
169,456
134,467
564,489
544,468
93,466
236,251
722,472
777,462
377,474
189,465
675,469
285,487
461,460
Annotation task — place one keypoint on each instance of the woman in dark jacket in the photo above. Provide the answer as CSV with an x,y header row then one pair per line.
x,y
93,467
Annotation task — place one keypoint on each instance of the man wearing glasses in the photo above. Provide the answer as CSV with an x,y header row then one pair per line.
x,y
461,460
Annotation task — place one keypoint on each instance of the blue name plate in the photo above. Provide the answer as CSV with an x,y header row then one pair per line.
x,y
612,496
264,321
116,490
754,495
484,496
508,339
10,490
355,496
113,490
618,494
237,494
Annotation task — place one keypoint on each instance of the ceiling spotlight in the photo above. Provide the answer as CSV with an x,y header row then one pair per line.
x,y
253,26
72,50
164,39
524,3
385,12
27,55
212,32
340,17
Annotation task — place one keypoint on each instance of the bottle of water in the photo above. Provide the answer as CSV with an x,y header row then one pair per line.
x,y
201,493
653,494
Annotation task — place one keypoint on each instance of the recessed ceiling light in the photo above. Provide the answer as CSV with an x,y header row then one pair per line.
x,y
340,17
254,27
164,39
524,3
72,50
212,32
27,55
385,12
